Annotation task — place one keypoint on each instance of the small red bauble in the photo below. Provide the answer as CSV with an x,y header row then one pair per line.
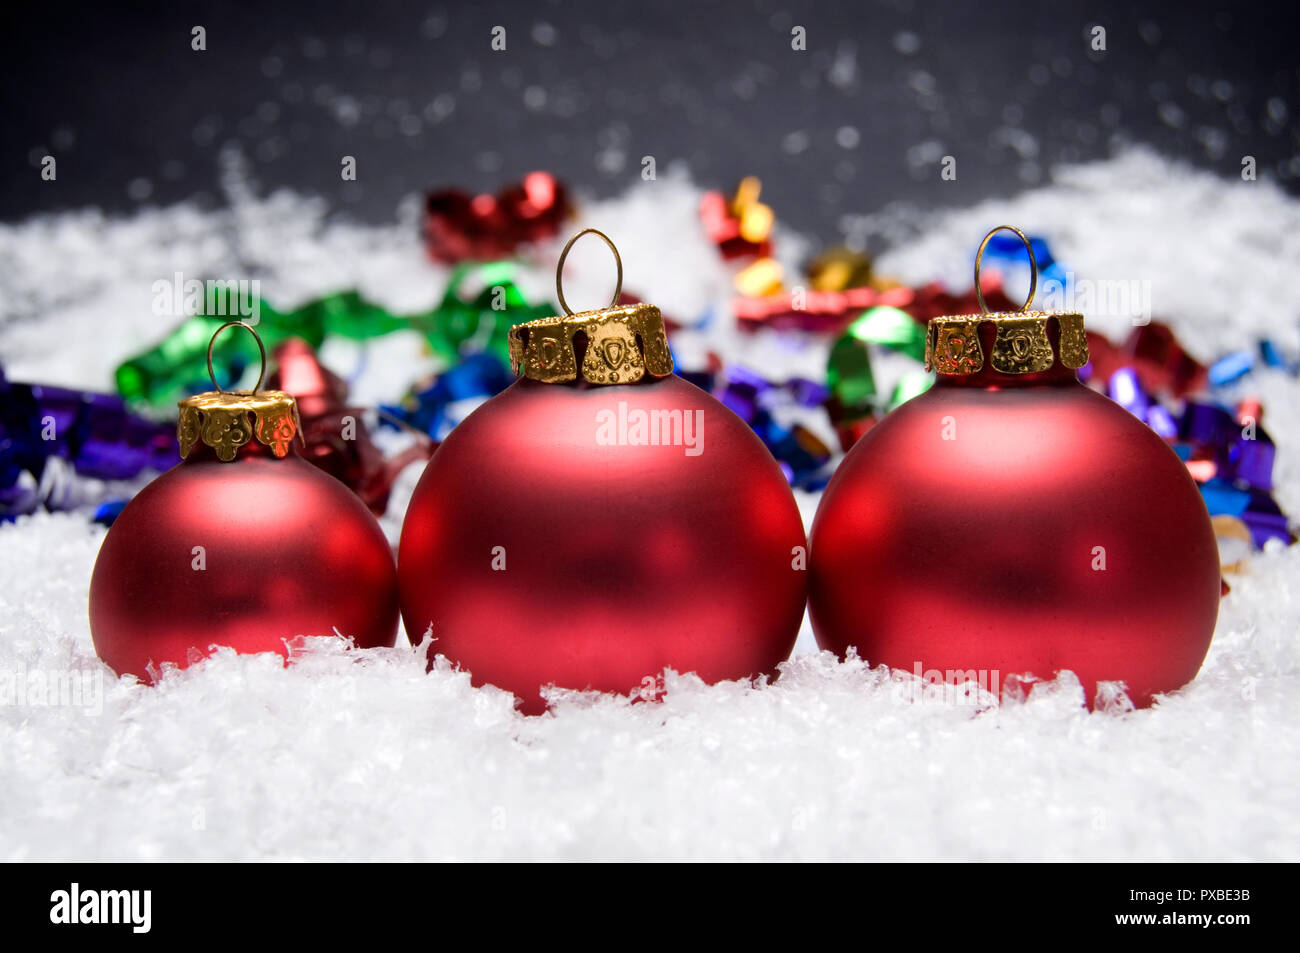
x,y
1011,521
243,544
600,520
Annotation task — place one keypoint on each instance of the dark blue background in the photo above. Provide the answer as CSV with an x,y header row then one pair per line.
x,y
587,88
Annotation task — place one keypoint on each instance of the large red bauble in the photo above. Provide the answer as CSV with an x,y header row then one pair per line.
x,y
287,550
999,525
540,554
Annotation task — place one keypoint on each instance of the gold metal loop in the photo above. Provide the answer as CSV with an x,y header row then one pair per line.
x,y
1033,268
260,347
559,268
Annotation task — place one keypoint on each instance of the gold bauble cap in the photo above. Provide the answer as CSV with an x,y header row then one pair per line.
x,y
619,344
1021,342
227,420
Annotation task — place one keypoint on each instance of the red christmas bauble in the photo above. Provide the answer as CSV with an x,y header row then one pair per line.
x,y
588,536
1011,521
245,552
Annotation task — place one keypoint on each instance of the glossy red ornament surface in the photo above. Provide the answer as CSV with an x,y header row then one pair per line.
x,y
287,550
618,560
980,554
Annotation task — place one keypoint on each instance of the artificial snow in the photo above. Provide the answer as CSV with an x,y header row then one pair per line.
x,y
361,754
